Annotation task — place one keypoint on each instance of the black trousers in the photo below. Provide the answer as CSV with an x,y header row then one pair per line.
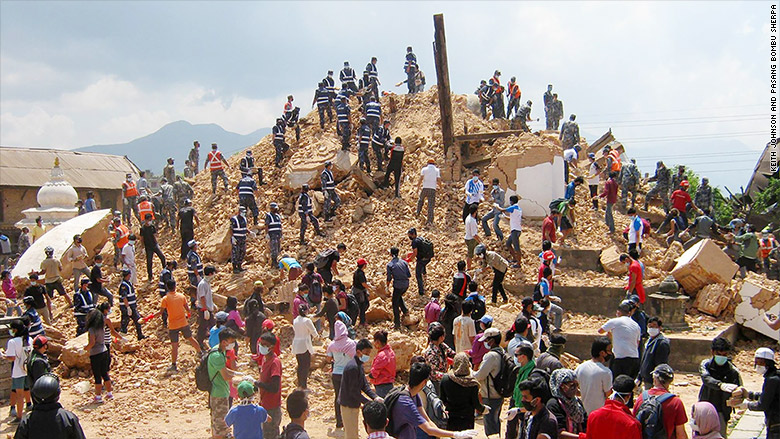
x,y
186,236
498,284
336,380
398,305
419,271
304,365
150,252
128,313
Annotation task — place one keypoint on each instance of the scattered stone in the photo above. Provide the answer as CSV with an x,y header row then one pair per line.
x,y
610,260
703,264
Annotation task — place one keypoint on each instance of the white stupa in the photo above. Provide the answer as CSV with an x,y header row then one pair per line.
x,y
57,201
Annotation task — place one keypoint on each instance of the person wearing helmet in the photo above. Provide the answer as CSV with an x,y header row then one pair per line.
x,y
48,419
51,268
306,214
186,222
34,324
273,227
681,200
128,306
768,399
499,265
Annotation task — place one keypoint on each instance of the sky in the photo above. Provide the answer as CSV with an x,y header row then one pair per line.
x,y
686,80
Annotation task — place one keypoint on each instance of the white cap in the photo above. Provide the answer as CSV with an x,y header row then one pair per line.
x,y
765,353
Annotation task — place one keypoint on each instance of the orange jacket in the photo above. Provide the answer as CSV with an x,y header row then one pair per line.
x,y
514,90
616,164
122,235
765,246
130,189
144,208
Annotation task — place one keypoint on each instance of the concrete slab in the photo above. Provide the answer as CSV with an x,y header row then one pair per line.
x,y
703,264
756,301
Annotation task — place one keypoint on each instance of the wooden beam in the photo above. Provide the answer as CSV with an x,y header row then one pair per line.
x,y
443,81
486,136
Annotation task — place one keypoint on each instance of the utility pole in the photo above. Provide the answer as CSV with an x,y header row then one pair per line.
x,y
443,81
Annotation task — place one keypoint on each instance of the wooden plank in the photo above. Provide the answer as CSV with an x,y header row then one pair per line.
x,y
487,136
443,81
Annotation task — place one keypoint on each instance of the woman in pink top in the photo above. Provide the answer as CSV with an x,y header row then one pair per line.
x,y
10,294
383,368
234,321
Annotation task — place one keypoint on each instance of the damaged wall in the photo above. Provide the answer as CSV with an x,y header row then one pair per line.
x,y
755,302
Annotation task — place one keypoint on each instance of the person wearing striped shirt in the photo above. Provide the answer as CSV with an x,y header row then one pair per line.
x,y
273,226
83,303
323,101
280,146
332,199
474,189
246,189
330,85
34,323
344,127
373,78
363,136
410,67
238,228
347,77
373,113
395,166
306,214
128,307
194,264
380,143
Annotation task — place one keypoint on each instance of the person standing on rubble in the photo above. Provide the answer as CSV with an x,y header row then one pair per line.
x,y
194,264
570,133
168,208
498,96
247,187
280,146
273,227
422,251
380,143
363,138
485,94
373,113
548,110
129,198
571,162
205,305
151,248
186,222
498,196
395,166
216,163
513,96
306,214
330,85
703,198
246,164
332,199
557,111
662,179
629,180
681,201
398,276
77,256
169,171
610,193
194,156
343,126
373,78
347,78
238,228
475,192
323,101
515,228
410,67
430,177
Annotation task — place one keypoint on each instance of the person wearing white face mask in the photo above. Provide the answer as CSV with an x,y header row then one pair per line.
x,y
656,352
489,368
719,380
353,385
614,420
219,395
768,399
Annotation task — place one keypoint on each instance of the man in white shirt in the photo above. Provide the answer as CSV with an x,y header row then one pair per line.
x,y
474,189
570,160
471,234
593,179
205,305
77,256
594,376
625,341
463,328
128,258
515,214
430,176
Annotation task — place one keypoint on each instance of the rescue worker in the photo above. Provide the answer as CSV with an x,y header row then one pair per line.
x,y
380,143
142,184
395,166
238,229
613,159
194,264
188,172
246,189
662,179
332,199
280,145
194,156
556,107
629,180
246,164
306,214
411,68
290,117
330,85
523,116
347,78
168,210
373,78
498,97
344,126
678,178
570,133
485,94
145,207
766,245
186,222
130,199
513,96
498,197
121,238
169,171
323,101
373,113
363,137
273,227
703,198
548,110
216,163
127,305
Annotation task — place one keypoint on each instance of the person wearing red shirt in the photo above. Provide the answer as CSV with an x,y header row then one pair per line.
x,y
681,199
270,384
610,193
614,420
383,368
673,413
548,227
635,285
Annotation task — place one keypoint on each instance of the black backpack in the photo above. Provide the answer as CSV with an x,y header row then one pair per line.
x,y
353,308
479,307
504,382
390,399
434,407
322,258
425,248
650,415
555,203
203,380
315,292
537,291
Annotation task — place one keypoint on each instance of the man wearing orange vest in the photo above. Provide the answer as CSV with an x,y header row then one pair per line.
x,y
216,163
498,97
766,244
145,207
513,94
613,160
121,235
129,197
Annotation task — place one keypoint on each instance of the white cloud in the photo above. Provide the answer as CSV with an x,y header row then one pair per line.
x,y
36,128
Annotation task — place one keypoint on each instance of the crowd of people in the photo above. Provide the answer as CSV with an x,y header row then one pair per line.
x,y
513,378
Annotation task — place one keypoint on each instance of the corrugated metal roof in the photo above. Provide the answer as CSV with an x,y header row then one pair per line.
x,y
31,167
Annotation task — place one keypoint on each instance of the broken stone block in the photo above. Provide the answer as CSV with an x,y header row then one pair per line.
x,y
703,264
755,302
306,165
377,311
357,214
610,260
74,355
238,285
405,348
216,247
670,257
713,299
363,180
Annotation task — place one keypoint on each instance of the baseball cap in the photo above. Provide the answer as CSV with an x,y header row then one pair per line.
x,y
40,341
245,389
490,332
664,371
221,316
192,243
548,255
591,155
634,299
361,262
765,353
259,283
268,324
486,319
538,307
626,306
85,281
274,206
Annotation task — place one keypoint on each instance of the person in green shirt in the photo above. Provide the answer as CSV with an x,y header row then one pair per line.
x,y
219,395
748,255
524,359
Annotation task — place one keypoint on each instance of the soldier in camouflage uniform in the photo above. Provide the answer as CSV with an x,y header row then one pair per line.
x,y
168,210
629,179
662,179
169,172
570,133
677,179
522,117
548,109
557,109
703,198
181,191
